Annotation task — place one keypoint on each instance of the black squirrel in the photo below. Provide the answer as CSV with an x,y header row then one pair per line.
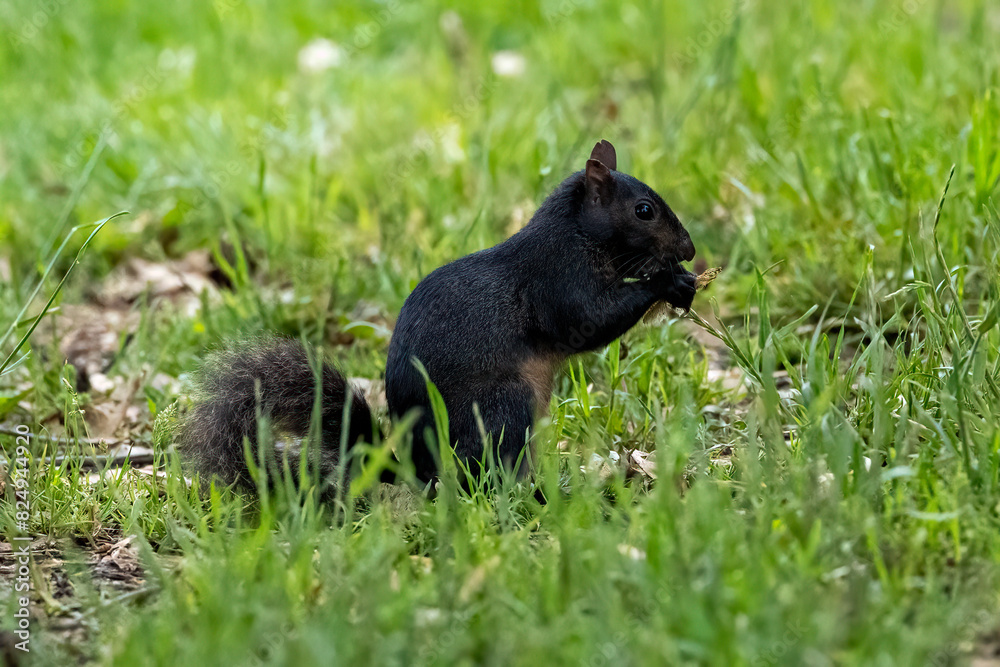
x,y
491,330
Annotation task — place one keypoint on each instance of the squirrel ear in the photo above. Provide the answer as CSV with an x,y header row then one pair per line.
x,y
600,182
605,152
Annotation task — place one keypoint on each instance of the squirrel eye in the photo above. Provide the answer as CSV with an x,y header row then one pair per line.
x,y
644,211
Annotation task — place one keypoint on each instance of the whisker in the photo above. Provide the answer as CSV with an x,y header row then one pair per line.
x,y
633,254
640,260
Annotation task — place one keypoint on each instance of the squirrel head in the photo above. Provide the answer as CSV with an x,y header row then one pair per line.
x,y
625,213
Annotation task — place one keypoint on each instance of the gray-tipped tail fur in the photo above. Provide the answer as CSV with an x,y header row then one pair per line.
x,y
267,386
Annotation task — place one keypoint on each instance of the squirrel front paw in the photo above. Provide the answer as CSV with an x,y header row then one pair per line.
x,y
677,287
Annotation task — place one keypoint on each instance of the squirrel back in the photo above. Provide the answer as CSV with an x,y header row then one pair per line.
x,y
491,329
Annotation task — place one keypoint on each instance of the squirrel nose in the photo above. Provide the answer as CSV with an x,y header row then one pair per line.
x,y
687,248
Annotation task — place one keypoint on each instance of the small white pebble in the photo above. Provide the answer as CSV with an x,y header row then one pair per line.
x,y
100,383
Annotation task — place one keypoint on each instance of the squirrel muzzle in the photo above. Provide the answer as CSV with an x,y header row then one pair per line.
x,y
680,293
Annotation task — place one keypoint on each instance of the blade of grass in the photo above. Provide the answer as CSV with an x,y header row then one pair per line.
x,y
74,197
98,226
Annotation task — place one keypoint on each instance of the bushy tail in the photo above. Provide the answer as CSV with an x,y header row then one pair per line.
x,y
267,387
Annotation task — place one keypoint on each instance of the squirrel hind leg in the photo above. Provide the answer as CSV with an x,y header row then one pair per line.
x,y
507,415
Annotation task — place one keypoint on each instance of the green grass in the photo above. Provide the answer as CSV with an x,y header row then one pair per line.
x,y
849,516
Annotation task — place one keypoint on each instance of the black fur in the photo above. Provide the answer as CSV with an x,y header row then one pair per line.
x,y
559,286
491,329
273,378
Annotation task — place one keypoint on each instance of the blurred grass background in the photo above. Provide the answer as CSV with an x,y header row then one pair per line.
x,y
349,148
802,134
